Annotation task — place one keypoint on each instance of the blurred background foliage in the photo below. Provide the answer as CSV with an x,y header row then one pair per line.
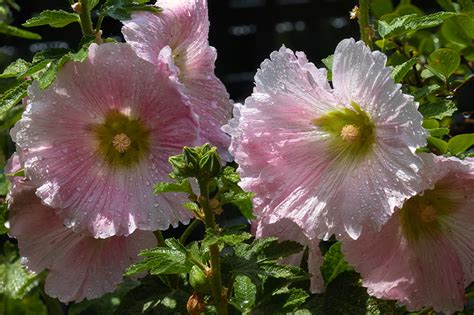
x,y
434,64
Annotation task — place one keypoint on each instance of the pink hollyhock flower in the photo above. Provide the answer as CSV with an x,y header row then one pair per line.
x,y
178,36
424,255
285,229
329,159
80,266
96,141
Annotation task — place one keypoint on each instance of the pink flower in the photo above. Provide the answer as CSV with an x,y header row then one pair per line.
x,y
285,229
96,141
80,266
331,159
424,255
178,37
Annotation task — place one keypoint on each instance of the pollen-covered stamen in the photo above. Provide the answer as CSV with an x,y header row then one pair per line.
x,y
350,133
427,214
121,142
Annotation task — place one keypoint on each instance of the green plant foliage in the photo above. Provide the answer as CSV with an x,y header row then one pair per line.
x,y
17,32
105,305
438,109
410,23
400,71
381,7
154,298
53,18
260,258
12,97
438,146
162,260
443,62
15,68
334,264
328,63
460,143
15,282
3,217
122,9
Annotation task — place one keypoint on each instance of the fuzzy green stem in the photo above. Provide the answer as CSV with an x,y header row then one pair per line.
x,y
53,306
86,21
160,239
191,227
218,294
364,21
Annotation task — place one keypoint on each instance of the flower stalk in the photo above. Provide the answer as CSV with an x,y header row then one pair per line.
x,y
218,293
86,21
364,22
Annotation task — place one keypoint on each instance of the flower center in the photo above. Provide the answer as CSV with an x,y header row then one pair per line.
x,y
122,140
427,214
421,215
351,132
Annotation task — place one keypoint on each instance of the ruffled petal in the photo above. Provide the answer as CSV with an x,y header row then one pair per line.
x,y
433,268
72,176
79,265
178,37
426,274
288,159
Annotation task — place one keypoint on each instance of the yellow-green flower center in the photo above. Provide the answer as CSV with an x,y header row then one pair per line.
x,y
122,140
351,132
421,215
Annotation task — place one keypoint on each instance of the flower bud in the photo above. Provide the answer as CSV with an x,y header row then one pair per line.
x,y
195,304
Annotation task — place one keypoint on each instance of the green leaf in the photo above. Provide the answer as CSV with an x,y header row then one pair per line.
x,y
334,264
292,297
447,5
230,192
381,7
354,299
438,132
53,18
328,63
12,97
410,23
28,305
3,218
244,294
287,272
228,237
400,71
15,281
241,199
438,109
47,78
161,260
425,91
179,186
460,143
152,297
17,32
122,9
15,68
430,123
3,185
106,304
443,62
439,145
36,67
454,33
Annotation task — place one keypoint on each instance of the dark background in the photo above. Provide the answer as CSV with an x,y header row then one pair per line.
x,y
244,33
